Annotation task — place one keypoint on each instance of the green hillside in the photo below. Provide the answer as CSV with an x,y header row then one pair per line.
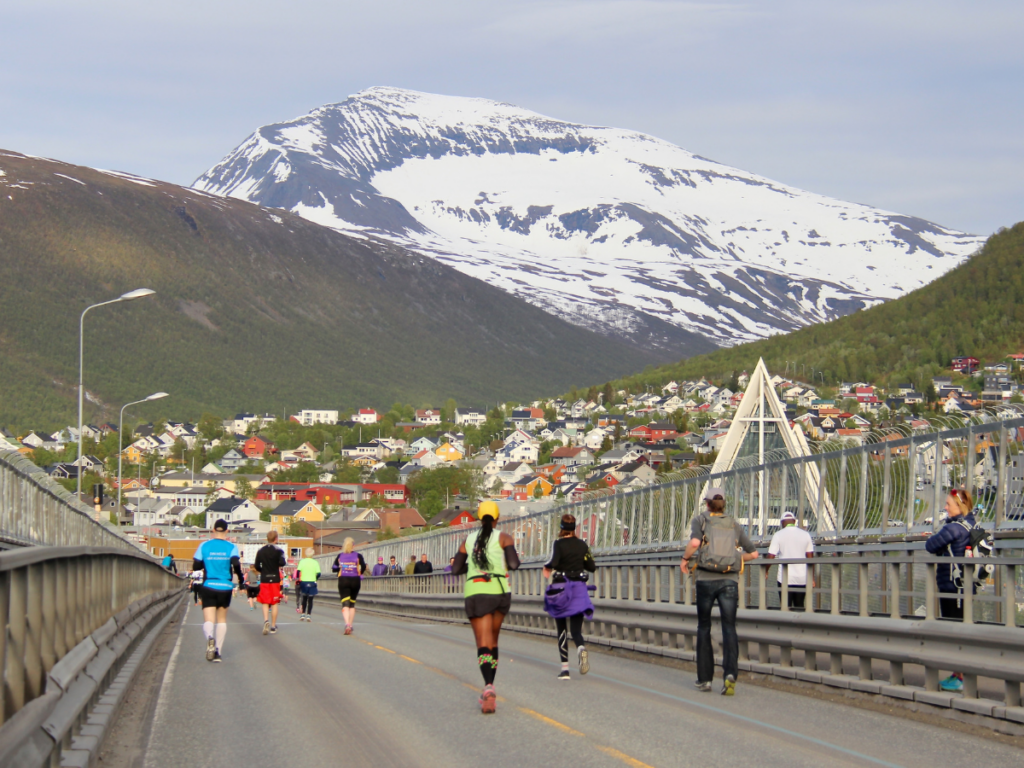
x,y
255,310
976,309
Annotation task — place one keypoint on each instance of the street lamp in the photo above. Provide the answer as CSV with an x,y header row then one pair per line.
x,y
120,432
138,293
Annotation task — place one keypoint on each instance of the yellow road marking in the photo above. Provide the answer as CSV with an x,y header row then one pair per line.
x,y
408,658
549,721
630,761
381,647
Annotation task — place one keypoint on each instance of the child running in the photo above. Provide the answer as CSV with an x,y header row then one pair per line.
x,y
488,598
308,571
252,586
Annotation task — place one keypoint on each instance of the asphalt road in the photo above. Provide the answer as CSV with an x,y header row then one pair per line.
x,y
398,693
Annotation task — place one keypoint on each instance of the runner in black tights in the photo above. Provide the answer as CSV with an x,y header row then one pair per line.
x,y
567,599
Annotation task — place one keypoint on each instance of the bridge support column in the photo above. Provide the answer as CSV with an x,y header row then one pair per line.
x,y
895,673
1012,693
865,672
811,661
835,663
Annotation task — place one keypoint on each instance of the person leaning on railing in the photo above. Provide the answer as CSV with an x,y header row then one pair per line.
x,y
951,540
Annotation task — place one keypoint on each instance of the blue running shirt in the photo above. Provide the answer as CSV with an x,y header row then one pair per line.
x,y
216,555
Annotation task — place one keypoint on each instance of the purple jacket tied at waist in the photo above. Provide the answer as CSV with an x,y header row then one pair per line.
x,y
568,598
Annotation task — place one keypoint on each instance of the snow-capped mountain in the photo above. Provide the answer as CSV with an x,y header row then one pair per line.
x,y
610,229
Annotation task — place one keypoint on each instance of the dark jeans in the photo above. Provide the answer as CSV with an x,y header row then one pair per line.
x,y
306,603
951,605
797,597
727,594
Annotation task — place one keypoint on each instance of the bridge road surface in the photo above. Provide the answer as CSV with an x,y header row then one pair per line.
x,y
401,693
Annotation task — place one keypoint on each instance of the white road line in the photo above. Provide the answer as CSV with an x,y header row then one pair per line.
x,y
161,702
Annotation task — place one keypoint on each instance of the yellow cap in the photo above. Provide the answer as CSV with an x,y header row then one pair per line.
x,y
487,508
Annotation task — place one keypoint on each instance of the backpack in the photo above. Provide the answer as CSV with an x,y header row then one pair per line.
x,y
718,547
979,545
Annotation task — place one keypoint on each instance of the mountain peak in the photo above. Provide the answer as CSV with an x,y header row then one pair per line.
x,y
611,229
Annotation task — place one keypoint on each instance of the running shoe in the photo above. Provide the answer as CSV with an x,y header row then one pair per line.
x,y
273,630
584,660
266,627
211,648
488,700
216,657
952,683
729,688
298,610
564,675
348,629
702,687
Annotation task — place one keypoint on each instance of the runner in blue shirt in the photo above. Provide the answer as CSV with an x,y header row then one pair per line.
x,y
218,558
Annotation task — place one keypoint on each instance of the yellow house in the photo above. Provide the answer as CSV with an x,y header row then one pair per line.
x,y
448,452
363,461
288,512
530,483
132,454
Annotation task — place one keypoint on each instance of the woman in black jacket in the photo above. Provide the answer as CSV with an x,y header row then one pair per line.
x,y
567,599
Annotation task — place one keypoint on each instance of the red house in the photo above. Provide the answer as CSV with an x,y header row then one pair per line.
x,y
393,493
965,365
643,432
256,447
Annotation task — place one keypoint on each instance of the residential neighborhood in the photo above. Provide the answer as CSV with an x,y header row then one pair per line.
x,y
320,474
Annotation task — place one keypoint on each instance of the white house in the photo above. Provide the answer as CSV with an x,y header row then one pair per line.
x,y
309,417
366,416
471,416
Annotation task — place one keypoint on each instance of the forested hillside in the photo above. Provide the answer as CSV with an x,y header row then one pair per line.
x,y
975,309
255,309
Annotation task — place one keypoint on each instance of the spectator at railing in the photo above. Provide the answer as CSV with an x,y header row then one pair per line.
x,y
791,542
394,569
379,569
424,566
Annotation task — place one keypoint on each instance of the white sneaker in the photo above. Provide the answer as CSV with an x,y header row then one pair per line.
x,y
583,658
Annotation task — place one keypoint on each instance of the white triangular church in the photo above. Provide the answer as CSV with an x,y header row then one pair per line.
x,y
762,414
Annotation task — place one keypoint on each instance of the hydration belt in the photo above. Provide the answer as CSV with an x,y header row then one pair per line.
x,y
560,576
488,577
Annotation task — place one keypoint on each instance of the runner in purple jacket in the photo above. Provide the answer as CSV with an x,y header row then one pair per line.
x,y
567,599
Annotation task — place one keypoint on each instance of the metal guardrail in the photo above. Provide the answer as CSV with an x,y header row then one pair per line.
x,y
893,486
55,599
872,608
36,510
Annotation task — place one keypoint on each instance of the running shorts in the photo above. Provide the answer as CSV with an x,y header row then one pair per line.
x,y
348,589
483,605
252,591
270,594
215,598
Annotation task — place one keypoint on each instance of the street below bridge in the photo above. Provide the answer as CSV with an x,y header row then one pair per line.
x,y
404,693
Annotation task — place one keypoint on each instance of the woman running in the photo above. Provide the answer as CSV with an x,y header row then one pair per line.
x,y
252,586
308,572
350,568
567,600
488,599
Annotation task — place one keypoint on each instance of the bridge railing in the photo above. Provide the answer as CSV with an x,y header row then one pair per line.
x,y
860,611
36,510
893,486
71,615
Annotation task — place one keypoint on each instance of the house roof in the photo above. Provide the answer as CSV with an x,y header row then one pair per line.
x,y
225,504
289,508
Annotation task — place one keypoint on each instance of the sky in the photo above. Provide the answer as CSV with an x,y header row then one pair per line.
x,y
913,107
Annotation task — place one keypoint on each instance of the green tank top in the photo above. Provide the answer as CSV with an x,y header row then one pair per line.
x,y
498,569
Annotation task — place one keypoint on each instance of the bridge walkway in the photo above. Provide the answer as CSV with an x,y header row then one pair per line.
x,y
403,693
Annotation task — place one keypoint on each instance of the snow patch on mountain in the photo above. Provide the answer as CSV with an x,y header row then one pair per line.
x,y
608,228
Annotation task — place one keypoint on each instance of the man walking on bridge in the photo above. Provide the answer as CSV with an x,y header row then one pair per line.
x,y
217,557
713,558
269,562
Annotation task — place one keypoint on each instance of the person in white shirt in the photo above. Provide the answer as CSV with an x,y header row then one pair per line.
x,y
791,542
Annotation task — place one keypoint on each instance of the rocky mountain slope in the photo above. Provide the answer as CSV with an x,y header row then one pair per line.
x,y
609,229
254,309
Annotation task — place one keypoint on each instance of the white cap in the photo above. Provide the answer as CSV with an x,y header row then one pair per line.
x,y
787,515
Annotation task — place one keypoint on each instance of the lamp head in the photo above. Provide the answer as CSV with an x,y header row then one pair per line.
x,y
156,396
138,293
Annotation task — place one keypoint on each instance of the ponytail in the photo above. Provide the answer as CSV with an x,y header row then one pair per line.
x,y
480,546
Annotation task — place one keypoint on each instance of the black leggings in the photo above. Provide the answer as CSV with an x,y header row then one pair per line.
x,y
306,603
575,628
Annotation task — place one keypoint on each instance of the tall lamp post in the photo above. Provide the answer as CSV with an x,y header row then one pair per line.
x,y
120,431
138,293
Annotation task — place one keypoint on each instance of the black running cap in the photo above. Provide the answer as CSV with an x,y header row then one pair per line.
x,y
220,525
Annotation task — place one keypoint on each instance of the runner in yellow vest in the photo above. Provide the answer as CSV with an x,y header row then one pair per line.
x,y
486,560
